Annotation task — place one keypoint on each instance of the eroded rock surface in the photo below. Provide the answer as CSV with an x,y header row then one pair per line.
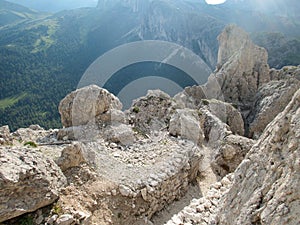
x,y
151,112
28,181
266,185
124,167
5,137
270,100
86,105
242,66
230,154
187,124
226,113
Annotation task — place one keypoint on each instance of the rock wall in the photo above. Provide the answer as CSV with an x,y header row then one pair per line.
x,y
270,100
204,210
266,185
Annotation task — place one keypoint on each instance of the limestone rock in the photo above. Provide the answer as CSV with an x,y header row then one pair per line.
x,y
28,134
214,129
190,97
242,69
65,219
285,73
271,99
230,154
227,114
88,132
86,105
5,137
35,127
186,123
242,66
28,181
119,133
151,112
204,210
266,185
72,156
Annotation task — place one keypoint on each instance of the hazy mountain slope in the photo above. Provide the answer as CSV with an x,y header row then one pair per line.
x,y
282,50
55,6
13,13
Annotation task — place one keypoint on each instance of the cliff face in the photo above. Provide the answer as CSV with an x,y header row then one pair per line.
x,y
243,66
177,21
266,185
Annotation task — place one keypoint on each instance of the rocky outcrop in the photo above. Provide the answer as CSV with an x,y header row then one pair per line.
x,y
227,157
242,69
124,167
285,72
266,185
242,66
5,137
152,112
72,156
271,99
186,123
226,113
28,181
88,105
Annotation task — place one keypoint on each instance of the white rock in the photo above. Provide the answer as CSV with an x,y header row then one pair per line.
x,y
65,219
125,191
28,181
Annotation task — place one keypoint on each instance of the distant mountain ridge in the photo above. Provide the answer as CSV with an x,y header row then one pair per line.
x,y
55,6
13,13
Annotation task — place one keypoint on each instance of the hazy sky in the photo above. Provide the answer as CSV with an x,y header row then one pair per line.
x,y
215,1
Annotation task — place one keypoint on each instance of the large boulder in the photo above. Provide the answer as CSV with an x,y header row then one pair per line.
x,y
28,181
266,185
119,133
214,129
227,157
74,155
227,113
187,124
88,105
271,99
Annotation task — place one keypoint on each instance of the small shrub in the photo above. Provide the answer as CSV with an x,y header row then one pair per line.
x,y
136,109
205,102
57,209
31,144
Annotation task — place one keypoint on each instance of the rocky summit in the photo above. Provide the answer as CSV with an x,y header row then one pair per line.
x,y
226,152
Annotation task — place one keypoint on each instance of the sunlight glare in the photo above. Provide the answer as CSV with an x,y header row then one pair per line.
x,y
215,2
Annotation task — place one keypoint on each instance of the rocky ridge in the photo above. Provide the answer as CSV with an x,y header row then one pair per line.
x,y
112,167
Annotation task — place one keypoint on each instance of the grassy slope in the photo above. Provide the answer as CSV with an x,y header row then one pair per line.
x,y
7,102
